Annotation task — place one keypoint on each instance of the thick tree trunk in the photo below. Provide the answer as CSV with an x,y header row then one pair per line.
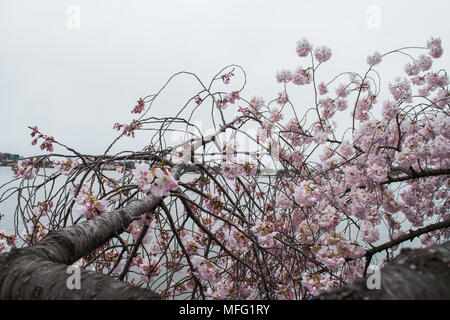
x,y
40,271
414,274
27,276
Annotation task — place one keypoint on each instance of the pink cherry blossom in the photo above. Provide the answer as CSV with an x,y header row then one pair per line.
x,y
65,167
341,91
322,54
401,89
424,62
282,98
435,48
303,47
256,103
412,68
227,76
374,59
390,109
139,107
322,88
301,76
284,76
25,169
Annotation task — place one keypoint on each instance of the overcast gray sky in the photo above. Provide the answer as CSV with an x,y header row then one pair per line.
x,y
74,84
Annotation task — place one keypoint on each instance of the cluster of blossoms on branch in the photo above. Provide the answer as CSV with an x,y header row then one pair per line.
x,y
128,129
87,204
47,142
7,242
66,166
229,98
303,76
344,179
43,208
139,107
157,180
25,169
226,77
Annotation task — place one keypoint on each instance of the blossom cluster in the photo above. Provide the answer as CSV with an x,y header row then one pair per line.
x,y
25,169
256,103
227,76
156,180
47,142
128,129
87,204
229,98
139,107
42,209
137,226
7,242
213,203
303,76
66,166
374,58
238,167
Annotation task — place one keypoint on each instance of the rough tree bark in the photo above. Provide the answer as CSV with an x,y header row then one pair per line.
x,y
415,274
40,271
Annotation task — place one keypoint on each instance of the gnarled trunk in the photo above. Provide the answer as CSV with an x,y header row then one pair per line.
x,y
24,275
413,274
40,271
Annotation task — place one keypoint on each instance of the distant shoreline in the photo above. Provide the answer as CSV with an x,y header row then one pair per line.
x,y
190,169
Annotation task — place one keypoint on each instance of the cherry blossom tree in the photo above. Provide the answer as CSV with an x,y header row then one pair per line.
x,y
356,172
